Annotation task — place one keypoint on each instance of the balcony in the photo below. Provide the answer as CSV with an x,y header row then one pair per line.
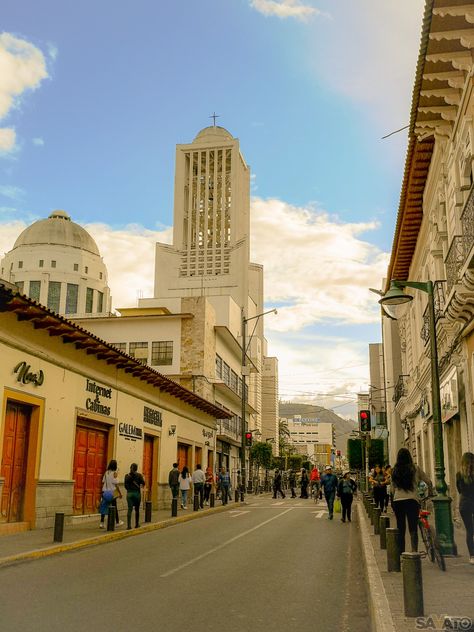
x,y
467,222
229,430
439,301
454,262
400,389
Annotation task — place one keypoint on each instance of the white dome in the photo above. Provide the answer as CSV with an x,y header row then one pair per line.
x,y
213,133
57,229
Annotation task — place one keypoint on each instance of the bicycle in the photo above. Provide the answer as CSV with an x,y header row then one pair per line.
x,y
433,550
315,491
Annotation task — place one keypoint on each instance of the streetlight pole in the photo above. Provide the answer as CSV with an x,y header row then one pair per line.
x,y
244,391
442,502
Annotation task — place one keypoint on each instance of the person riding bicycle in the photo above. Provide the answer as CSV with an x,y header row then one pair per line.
x,y
315,481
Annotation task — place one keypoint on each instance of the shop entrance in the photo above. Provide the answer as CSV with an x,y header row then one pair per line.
x,y
14,460
183,456
90,462
148,465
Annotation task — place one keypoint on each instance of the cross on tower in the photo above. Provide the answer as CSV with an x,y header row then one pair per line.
x,y
214,116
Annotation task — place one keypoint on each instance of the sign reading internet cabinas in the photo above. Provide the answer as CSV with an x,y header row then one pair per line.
x,y
151,416
95,405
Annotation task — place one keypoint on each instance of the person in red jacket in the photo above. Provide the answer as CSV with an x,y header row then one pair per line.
x,y
315,482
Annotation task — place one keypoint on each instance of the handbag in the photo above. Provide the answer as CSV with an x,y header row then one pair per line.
x,y
337,505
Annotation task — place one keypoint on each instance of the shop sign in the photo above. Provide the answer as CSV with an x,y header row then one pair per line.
x,y
25,376
207,434
151,416
130,432
449,395
95,405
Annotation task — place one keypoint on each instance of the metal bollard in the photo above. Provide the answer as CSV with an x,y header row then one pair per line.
x,y
174,507
384,525
393,550
412,584
196,502
212,499
371,512
377,512
236,496
242,496
111,518
58,527
148,507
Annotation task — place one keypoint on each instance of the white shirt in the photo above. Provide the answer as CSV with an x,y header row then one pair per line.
x,y
109,481
184,483
199,477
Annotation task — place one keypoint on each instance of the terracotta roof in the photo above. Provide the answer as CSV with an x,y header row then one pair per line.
x,y
25,308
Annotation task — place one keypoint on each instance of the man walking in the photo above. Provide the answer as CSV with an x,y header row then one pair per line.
x,y
173,480
329,485
292,483
277,485
199,479
224,483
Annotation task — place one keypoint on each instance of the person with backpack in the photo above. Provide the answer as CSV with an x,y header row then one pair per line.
x,y
110,493
345,491
329,484
134,483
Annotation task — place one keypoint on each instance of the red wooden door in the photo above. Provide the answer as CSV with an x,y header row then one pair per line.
x,y
90,461
14,460
182,456
148,464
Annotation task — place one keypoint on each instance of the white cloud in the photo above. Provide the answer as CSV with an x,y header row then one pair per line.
x,y
39,142
7,139
22,67
313,263
284,8
12,192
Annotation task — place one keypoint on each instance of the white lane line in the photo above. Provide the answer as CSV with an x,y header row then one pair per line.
x,y
235,512
278,504
221,546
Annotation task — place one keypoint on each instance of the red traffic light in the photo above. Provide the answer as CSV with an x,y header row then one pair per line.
x,y
364,420
364,414
248,439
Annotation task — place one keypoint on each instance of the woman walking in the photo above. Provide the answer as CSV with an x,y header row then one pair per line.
x,y
379,487
304,484
208,485
465,487
345,491
184,486
405,478
110,493
134,483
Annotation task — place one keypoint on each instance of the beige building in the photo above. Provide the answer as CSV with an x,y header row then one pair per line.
x,y
314,439
71,402
434,240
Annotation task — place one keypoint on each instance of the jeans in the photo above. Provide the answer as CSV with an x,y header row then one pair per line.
x,y
407,510
174,490
380,496
133,502
467,514
113,503
330,501
184,497
225,494
207,492
346,504
199,491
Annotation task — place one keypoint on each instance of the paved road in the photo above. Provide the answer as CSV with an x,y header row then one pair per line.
x,y
270,565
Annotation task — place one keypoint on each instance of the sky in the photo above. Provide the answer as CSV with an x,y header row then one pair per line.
x,y
94,96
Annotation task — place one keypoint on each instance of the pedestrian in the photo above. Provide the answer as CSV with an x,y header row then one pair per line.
x,y
134,483
292,482
224,484
173,480
379,486
110,493
315,481
388,484
277,485
329,484
208,485
465,487
184,486
199,478
304,482
405,478
345,491
239,482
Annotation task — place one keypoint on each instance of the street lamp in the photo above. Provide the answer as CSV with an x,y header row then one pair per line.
x,y
245,346
442,503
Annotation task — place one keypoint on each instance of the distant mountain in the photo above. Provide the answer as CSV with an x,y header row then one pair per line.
x,y
342,427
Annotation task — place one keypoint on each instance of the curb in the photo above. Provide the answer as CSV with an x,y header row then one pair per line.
x,y
55,549
380,613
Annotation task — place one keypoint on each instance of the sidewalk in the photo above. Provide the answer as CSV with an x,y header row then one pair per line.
x,y
446,594
29,545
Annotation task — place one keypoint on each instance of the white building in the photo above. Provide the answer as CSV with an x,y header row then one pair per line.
x,y
313,438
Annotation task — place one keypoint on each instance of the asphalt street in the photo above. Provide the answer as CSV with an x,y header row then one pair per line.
x,y
268,565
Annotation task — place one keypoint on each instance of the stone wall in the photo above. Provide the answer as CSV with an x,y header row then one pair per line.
x,y
52,497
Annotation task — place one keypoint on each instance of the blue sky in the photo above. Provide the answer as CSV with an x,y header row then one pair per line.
x,y
96,95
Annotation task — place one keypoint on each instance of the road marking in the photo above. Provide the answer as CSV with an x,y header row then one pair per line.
x,y
319,514
224,544
236,512
278,504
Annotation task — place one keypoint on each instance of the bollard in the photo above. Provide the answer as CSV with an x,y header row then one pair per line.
x,y
148,507
236,496
58,527
393,550
111,518
242,497
377,512
212,499
384,525
371,512
196,502
174,507
412,584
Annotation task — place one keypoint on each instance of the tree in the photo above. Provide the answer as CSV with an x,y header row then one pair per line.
x,y
261,454
295,461
283,435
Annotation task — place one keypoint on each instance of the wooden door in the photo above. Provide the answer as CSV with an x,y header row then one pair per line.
x,y
210,460
182,456
90,461
198,457
148,464
14,460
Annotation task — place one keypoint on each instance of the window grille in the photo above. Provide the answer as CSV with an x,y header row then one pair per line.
x,y
54,295
139,351
72,293
162,353
89,300
34,290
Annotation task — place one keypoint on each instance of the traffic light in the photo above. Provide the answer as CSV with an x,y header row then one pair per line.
x,y
248,439
364,420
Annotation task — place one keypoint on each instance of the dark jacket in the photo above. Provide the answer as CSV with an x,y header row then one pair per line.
x,y
329,483
466,490
351,486
277,480
134,482
173,477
